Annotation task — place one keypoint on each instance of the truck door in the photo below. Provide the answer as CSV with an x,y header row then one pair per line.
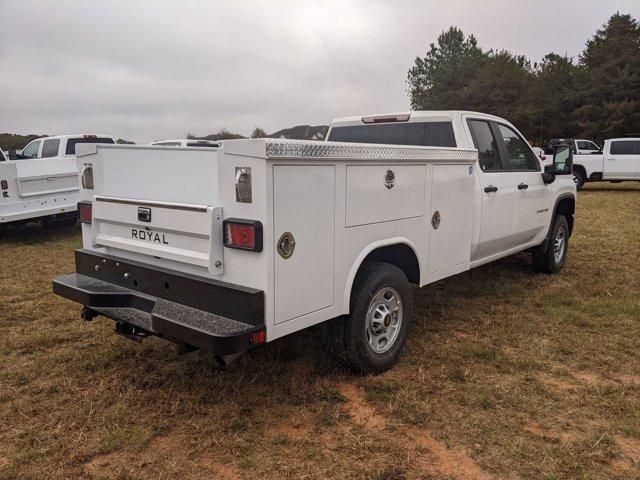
x,y
498,192
622,160
532,197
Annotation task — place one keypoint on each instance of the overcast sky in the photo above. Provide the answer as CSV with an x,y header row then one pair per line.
x,y
159,69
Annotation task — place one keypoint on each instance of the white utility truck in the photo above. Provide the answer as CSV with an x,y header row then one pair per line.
x,y
618,161
41,183
226,249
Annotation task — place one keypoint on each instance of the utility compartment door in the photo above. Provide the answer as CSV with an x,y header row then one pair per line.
x,y
303,205
449,222
46,176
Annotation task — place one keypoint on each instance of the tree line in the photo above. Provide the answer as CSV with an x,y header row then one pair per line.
x,y
595,96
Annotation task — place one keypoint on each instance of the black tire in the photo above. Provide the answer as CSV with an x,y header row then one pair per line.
x,y
350,334
546,261
578,179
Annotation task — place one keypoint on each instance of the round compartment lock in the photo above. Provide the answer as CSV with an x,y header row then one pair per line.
x,y
435,220
286,245
389,179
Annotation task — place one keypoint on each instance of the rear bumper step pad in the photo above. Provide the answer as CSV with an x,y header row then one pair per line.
x,y
182,323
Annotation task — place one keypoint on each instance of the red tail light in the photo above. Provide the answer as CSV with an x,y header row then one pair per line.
x,y
85,212
243,234
256,338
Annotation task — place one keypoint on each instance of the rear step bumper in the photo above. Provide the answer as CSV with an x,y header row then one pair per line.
x,y
185,309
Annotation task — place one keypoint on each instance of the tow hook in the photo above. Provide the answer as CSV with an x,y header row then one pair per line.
x,y
88,314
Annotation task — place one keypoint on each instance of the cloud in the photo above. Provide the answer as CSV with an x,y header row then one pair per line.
x,y
146,70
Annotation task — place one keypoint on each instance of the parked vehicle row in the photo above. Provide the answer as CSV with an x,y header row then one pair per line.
x,y
225,249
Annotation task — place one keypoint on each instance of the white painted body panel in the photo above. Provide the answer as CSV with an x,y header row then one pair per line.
x,y
592,163
332,197
620,167
38,188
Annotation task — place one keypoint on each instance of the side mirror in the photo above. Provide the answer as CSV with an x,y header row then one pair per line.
x,y
12,154
562,164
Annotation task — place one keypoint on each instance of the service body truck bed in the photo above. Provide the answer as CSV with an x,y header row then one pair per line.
x,y
226,249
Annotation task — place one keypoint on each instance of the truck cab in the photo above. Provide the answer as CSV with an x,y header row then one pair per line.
x,y
58,146
512,199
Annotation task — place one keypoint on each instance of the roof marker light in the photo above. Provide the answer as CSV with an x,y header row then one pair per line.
x,y
387,119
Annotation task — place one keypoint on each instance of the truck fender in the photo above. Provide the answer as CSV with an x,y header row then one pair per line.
x,y
560,198
346,300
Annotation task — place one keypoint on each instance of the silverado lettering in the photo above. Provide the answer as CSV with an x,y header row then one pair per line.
x,y
148,236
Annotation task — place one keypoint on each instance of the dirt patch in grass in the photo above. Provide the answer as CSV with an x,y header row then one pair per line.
x,y
506,374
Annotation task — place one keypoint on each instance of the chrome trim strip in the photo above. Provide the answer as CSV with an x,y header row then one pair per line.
x,y
147,203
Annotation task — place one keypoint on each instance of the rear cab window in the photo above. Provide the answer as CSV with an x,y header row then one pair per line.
x,y
201,145
72,142
426,134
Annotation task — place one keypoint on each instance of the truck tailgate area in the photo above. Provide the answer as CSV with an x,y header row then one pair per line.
x,y
182,308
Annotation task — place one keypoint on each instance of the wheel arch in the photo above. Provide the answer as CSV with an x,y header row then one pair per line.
x,y
565,205
398,251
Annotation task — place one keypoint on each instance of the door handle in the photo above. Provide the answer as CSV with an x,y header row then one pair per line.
x,y
611,158
490,189
523,186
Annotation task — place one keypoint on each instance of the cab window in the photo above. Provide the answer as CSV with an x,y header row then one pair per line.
x,y
625,148
583,145
50,148
486,144
519,155
31,150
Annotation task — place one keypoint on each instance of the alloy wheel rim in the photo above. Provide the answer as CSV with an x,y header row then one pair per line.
x,y
559,246
384,320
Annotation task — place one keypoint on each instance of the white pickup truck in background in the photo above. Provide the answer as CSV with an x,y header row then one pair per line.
x,y
41,183
618,161
224,249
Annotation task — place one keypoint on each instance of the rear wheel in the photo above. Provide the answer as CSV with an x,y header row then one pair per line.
x,y
552,259
371,337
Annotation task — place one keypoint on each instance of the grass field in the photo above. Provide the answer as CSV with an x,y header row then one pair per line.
x,y
506,374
